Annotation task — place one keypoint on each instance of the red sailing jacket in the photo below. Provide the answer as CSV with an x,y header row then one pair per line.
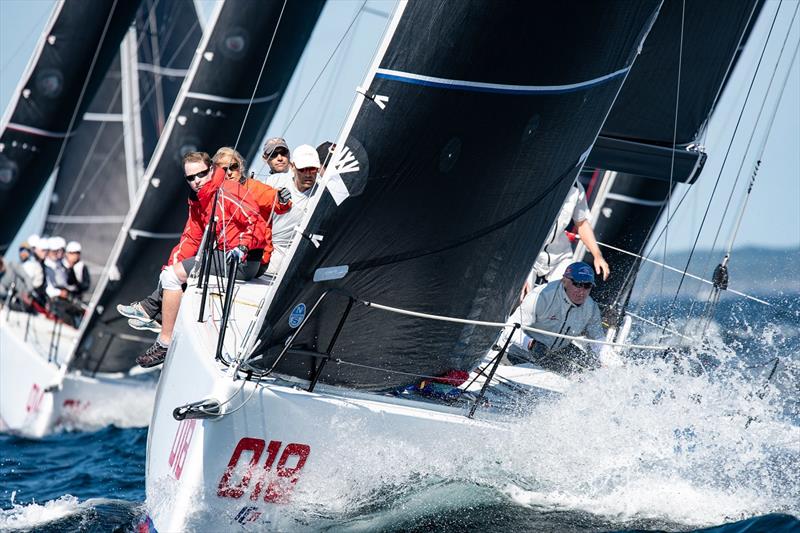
x,y
239,220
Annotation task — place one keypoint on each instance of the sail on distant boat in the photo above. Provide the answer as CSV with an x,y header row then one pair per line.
x,y
221,88
96,176
103,162
75,50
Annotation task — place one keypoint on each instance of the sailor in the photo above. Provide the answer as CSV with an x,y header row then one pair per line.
x,y
77,272
55,272
15,287
301,183
62,304
563,307
276,154
556,253
34,269
241,240
271,201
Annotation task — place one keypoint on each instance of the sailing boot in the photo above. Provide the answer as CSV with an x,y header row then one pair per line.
x,y
154,355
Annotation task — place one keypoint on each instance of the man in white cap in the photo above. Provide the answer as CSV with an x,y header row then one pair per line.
x,y
77,272
55,272
34,268
301,182
276,154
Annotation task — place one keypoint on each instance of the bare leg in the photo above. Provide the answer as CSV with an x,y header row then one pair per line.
x,y
170,306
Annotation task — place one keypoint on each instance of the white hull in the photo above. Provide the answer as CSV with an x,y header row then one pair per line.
x,y
284,448
37,395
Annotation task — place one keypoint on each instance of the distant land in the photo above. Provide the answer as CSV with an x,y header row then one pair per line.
x,y
766,272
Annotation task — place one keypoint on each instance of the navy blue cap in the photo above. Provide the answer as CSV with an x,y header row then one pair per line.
x,y
580,272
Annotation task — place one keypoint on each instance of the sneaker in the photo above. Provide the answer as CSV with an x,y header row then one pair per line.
x,y
154,355
134,310
144,325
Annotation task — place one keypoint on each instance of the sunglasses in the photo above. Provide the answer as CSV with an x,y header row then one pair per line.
x,y
202,174
583,284
233,167
276,152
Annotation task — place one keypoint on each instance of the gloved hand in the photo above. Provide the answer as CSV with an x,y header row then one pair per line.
x,y
284,195
237,255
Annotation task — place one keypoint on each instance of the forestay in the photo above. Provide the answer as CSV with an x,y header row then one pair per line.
x,y
477,120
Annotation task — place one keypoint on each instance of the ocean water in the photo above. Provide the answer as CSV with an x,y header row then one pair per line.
x,y
705,439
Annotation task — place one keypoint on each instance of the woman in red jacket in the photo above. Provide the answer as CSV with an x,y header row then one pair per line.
x,y
241,238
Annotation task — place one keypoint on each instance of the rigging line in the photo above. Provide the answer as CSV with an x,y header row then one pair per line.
x,y
654,242
679,271
710,306
722,167
758,118
322,71
672,153
763,147
260,73
443,318
661,326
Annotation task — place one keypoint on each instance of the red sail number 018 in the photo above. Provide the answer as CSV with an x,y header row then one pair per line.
x,y
276,483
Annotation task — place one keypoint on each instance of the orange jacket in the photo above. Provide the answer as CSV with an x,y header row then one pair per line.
x,y
239,202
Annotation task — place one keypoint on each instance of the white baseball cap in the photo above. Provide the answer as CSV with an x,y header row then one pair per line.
x,y
57,243
305,156
73,246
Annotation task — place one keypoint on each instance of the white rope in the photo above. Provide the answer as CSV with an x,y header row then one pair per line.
x,y
509,325
679,271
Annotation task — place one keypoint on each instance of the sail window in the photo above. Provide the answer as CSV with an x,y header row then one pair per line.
x,y
235,43
50,82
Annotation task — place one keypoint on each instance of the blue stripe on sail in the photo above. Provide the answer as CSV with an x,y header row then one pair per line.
x,y
475,86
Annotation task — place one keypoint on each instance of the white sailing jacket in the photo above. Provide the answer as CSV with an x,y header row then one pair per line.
x,y
556,254
547,307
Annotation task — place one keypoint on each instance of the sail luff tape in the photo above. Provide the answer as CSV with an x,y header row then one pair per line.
x,y
510,325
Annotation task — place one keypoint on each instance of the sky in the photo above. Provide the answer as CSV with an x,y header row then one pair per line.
x,y
772,216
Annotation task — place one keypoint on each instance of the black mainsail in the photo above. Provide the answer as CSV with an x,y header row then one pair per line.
x,y
208,113
477,120
75,50
638,134
102,165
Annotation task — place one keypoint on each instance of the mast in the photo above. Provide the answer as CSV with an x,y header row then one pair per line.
x,y
208,113
79,43
452,165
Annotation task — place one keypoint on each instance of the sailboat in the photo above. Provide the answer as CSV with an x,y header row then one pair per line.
x,y
456,156
98,170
